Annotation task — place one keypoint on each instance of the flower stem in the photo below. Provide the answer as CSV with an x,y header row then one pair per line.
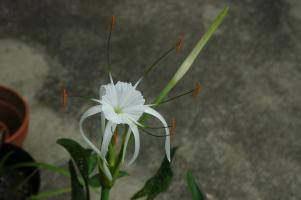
x,y
105,193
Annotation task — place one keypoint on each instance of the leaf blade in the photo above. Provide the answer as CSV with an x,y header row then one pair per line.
x,y
159,183
77,192
193,187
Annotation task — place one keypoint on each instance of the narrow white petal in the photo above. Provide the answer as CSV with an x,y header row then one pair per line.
x,y
107,171
91,111
106,138
96,100
103,123
127,137
102,91
135,131
153,112
111,79
138,82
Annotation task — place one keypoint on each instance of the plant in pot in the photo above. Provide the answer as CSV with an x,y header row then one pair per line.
x,y
14,116
123,116
18,180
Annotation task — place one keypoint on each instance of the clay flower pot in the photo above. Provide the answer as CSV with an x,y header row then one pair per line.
x,y
14,116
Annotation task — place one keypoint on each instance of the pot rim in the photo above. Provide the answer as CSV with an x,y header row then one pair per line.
x,y
25,120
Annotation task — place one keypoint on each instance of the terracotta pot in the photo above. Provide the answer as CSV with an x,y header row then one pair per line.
x,y
14,116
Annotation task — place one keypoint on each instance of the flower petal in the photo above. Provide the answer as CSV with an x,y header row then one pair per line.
x,y
135,131
106,139
91,111
154,113
126,141
103,123
107,171
138,82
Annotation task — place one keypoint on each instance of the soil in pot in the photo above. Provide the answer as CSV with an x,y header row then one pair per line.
x,y
17,183
14,185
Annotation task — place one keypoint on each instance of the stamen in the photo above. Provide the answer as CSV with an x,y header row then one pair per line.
x,y
173,126
159,127
113,21
65,98
80,97
115,136
178,47
179,44
177,96
149,133
197,90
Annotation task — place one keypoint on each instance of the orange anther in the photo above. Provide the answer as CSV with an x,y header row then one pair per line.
x,y
65,97
113,21
179,44
115,136
173,126
197,90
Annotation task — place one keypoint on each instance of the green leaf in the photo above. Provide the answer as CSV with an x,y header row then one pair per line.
x,y
46,166
48,194
159,182
77,192
79,154
5,158
95,181
122,174
92,163
81,157
193,187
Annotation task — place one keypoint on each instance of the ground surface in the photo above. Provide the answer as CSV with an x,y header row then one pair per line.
x,y
241,138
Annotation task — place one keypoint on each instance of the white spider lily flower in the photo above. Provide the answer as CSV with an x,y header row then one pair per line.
x,y
121,103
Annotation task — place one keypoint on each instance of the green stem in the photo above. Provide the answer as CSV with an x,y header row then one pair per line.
x,y
105,193
160,98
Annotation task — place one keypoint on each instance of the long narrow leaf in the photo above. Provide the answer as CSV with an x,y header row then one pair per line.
x,y
192,56
193,187
159,182
48,194
41,165
81,157
77,192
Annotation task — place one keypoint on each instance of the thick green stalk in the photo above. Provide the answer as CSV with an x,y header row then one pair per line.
x,y
105,193
160,97
189,60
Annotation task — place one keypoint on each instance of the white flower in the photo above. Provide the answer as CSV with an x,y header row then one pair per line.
x,y
121,103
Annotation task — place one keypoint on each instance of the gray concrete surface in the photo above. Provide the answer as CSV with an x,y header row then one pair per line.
x,y
241,138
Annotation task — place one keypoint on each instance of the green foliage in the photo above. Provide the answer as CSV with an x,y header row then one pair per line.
x,y
49,194
77,192
80,155
95,181
122,174
193,187
46,166
84,159
92,162
159,182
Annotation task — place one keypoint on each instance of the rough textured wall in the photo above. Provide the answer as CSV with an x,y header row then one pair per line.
x,y
241,137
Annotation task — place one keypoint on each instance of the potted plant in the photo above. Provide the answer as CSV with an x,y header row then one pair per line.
x,y
17,180
14,116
